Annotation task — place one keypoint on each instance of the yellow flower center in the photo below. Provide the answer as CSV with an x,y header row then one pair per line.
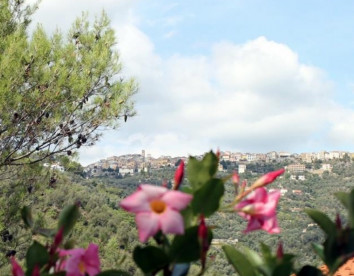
x,y
158,206
82,267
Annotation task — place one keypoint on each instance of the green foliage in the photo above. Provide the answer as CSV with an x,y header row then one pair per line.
x,y
150,258
199,172
57,91
68,218
36,255
322,220
206,199
186,248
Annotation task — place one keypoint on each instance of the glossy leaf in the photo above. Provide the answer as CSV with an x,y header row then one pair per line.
x,y
68,218
150,258
322,220
36,255
186,248
252,256
26,215
207,199
318,248
239,261
45,232
200,172
344,198
351,209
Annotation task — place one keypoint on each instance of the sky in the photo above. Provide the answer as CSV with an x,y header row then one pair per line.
x,y
234,75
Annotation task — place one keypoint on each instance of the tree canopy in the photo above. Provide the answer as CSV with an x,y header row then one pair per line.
x,y
57,91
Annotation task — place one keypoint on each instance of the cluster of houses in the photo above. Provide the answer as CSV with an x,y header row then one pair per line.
x,y
136,163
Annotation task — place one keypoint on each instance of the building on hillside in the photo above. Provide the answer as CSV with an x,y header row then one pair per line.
x,y
282,191
334,155
221,168
296,168
124,171
284,155
251,157
306,157
273,155
302,177
326,167
297,192
241,168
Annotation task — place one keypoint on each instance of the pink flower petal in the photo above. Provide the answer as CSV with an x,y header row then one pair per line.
x,y
253,224
136,202
92,260
171,222
271,225
148,225
177,200
152,192
74,252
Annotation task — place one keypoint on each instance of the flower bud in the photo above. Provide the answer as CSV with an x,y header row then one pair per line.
x,y
267,179
203,240
16,268
280,250
338,222
58,238
235,180
179,175
36,271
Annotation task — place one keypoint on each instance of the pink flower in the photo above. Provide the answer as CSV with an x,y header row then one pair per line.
x,y
267,178
156,208
16,268
80,262
259,208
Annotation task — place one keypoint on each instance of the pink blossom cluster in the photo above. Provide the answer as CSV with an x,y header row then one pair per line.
x,y
75,262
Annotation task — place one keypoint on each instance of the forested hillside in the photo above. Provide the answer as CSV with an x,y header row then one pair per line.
x,y
104,223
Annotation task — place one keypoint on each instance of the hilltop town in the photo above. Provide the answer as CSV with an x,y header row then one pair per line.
x,y
131,164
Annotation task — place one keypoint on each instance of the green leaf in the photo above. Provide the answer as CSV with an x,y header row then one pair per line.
x,y
308,270
186,248
344,198
252,256
351,209
318,248
283,269
26,215
241,264
113,273
150,258
68,218
207,199
200,172
188,217
36,255
322,220
266,252
45,232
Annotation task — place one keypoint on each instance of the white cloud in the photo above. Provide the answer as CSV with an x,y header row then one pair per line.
x,y
252,97
255,96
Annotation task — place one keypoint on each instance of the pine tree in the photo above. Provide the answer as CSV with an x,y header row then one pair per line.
x,y
58,92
